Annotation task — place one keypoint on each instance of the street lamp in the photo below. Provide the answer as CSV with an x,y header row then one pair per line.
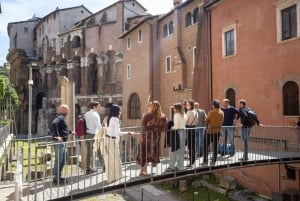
x,y
30,83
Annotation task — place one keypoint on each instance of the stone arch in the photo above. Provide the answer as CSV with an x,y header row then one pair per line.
x,y
290,93
92,81
134,106
77,74
230,94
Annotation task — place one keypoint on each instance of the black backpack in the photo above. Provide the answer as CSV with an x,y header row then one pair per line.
x,y
252,118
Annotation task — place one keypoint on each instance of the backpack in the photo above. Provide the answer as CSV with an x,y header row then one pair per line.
x,y
80,128
252,118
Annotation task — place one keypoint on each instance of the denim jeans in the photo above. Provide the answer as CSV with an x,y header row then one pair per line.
x,y
178,155
200,140
228,131
245,137
60,159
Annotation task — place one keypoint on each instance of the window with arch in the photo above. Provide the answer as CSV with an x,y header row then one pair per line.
x,y
76,42
165,30
171,27
290,99
188,19
134,107
230,94
196,15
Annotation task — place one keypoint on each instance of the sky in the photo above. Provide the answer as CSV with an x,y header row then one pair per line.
x,y
22,10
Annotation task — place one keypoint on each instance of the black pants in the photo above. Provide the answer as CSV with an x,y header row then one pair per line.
x,y
208,138
191,142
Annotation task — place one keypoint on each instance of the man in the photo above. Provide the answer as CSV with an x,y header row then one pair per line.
x,y
230,116
60,136
214,121
93,125
200,128
246,128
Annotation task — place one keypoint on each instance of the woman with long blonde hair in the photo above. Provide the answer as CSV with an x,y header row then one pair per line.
x,y
154,122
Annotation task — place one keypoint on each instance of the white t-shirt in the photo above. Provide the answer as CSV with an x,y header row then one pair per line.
x,y
113,129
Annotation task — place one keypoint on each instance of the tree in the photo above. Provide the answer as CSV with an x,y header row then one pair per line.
x,y
9,100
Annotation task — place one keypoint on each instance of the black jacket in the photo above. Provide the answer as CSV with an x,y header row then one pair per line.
x,y
60,127
244,117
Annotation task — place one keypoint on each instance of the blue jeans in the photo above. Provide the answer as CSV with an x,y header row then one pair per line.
x,y
228,131
60,159
200,140
245,137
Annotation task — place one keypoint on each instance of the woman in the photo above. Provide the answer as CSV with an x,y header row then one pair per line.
x,y
154,122
191,122
110,150
177,153
214,121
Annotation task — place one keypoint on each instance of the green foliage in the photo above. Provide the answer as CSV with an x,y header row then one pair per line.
x,y
8,92
3,71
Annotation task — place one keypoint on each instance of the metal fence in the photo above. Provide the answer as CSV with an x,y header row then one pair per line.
x,y
265,143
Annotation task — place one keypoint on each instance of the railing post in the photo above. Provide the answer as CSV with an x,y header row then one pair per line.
x,y
19,176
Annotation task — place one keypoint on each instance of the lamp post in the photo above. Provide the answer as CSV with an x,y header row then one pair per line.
x,y
30,83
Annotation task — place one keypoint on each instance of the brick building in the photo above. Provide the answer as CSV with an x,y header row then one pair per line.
x,y
254,55
164,69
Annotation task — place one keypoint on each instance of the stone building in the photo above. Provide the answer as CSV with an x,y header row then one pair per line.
x,y
79,45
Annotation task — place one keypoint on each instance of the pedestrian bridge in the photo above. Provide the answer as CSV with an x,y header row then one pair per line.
x,y
33,177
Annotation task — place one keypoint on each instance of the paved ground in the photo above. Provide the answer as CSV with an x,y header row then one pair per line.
x,y
144,192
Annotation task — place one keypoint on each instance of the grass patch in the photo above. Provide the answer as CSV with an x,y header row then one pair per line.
x,y
195,193
35,157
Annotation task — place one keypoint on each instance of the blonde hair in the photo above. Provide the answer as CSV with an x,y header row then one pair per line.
x,y
156,108
63,109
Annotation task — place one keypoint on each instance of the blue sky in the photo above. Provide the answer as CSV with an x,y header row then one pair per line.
x,y
22,10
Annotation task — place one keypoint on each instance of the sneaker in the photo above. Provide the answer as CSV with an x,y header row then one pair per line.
x,y
169,169
60,181
90,171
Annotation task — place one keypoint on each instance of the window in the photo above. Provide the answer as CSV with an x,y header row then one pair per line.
x,y
229,43
165,30
229,40
287,19
289,23
196,15
230,95
62,42
76,42
171,27
290,99
54,44
128,71
25,29
134,107
188,19
168,64
128,43
140,36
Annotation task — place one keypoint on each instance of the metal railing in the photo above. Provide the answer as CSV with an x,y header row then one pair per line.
x,y
265,145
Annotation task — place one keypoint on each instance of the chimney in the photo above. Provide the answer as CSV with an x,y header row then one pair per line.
x,y
176,2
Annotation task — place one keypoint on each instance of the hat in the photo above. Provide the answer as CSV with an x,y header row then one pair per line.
x,y
216,103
